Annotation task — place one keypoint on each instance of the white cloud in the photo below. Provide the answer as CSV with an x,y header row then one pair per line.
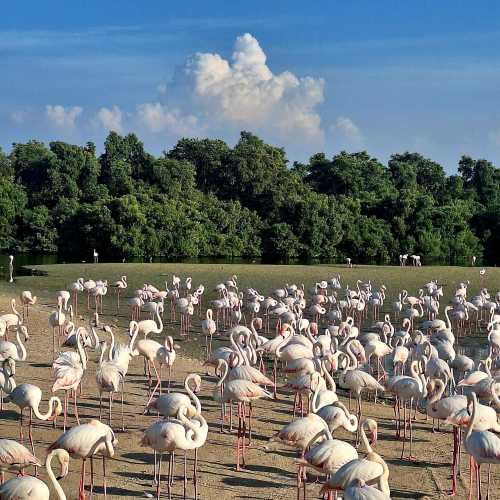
x,y
19,116
62,117
111,119
494,137
349,130
158,118
244,93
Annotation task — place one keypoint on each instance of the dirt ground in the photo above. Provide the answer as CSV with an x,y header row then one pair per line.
x,y
268,475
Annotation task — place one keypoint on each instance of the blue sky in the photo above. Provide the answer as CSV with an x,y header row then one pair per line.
x,y
385,76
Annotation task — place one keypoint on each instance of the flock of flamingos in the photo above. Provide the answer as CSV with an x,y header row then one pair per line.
x,y
305,341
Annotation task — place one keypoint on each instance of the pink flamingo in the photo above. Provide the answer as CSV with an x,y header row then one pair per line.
x,y
154,353
208,327
29,487
14,457
68,369
242,391
120,285
27,300
85,441
166,436
483,448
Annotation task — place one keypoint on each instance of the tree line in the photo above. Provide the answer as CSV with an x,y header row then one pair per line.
x,y
204,198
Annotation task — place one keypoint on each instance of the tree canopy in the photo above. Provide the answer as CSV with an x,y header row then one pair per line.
x,y
205,198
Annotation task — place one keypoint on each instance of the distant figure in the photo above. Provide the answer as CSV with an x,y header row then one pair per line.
x,y
11,269
349,263
473,262
402,259
482,272
416,260
96,256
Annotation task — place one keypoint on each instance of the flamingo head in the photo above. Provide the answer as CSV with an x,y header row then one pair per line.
x,y
373,429
24,331
314,329
57,409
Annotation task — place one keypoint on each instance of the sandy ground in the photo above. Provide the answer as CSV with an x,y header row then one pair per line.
x,y
268,475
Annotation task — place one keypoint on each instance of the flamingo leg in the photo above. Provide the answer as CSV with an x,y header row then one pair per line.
x,y
195,474
91,477
123,390
21,434
76,407
185,474
104,484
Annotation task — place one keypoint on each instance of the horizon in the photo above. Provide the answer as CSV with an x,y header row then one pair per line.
x,y
315,79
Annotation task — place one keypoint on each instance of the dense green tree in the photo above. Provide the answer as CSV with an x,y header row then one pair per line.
x,y
205,198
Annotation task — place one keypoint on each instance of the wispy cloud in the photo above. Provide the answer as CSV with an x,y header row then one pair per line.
x,y
111,118
494,137
19,116
349,131
61,117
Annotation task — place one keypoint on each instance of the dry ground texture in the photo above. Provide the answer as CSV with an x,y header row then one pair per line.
x,y
268,475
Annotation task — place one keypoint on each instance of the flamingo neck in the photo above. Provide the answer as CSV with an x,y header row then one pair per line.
x,y
192,395
81,352
45,416
55,484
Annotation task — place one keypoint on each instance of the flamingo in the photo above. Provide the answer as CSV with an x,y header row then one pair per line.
x,y
154,353
356,380
88,286
169,404
86,441
454,410
166,436
208,327
14,457
109,378
68,369
27,299
408,390
56,321
11,319
242,391
483,448
120,285
357,489
147,326
11,269
13,351
29,396
76,287
326,457
370,469
28,487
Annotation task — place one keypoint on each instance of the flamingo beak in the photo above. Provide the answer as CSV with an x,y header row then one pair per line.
x,y
64,471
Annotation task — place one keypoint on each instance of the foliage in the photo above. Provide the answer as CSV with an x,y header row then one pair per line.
x,y
204,198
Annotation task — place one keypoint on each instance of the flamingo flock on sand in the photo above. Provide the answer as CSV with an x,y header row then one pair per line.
x,y
326,345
